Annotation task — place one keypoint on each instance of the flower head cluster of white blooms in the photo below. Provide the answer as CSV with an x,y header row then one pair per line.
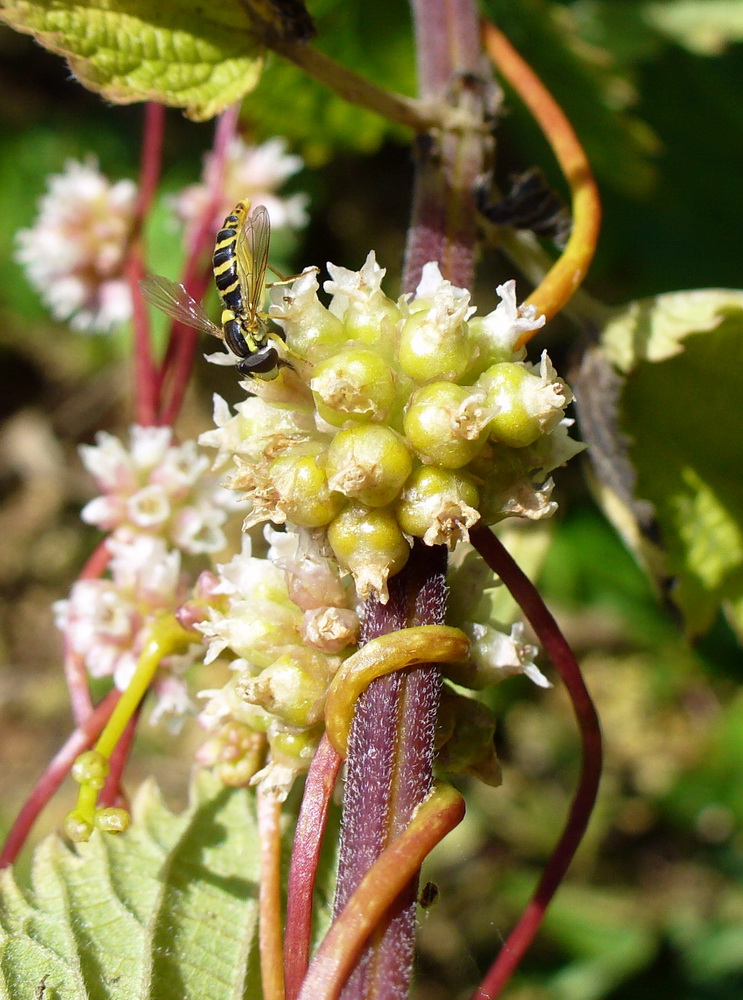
x,y
252,173
159,503
74,253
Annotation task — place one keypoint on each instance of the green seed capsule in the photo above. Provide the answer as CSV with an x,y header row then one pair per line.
x,y
437,497
446,424
356,384
510,391
112,820
304,495
91,768
368,463
369,543
429,349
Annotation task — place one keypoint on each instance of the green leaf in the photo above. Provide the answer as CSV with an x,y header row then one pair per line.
x,y
705,27
168,909
683,355
183,53
595,93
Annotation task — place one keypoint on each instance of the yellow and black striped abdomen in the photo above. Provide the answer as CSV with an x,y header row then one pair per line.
x,y
224,261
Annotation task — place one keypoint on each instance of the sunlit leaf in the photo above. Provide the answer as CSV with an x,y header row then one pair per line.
x,y
683,355
179,52
168,909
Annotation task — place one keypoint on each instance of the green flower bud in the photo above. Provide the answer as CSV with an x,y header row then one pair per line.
x,y
525,405
438,505
77,828
373,323
303,495
447,423
91,768
356,384
469,749
368,463
431,349
370,544
292,688
296,748
112,820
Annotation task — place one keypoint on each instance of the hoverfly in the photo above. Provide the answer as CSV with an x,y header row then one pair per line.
x,y
239,262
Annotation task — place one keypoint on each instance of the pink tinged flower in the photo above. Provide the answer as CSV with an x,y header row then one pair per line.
x,y
157,487
250,172
74,254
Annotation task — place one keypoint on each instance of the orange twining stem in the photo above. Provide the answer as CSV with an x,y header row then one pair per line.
x,y
568,272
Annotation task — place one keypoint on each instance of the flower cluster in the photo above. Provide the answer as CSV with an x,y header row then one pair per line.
x,y
74,253
285,623
156,487
159,504
250,173
395,420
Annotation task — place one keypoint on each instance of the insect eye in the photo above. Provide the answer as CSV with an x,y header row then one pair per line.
x,y
260,363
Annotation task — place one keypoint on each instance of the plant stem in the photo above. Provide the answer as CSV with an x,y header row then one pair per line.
x,y
56,772
313,815
146,377
269,920
389,771
548,633
179,355
568,272
357,90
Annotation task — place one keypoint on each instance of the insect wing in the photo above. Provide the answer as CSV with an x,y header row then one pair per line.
x,y
251,250
174,300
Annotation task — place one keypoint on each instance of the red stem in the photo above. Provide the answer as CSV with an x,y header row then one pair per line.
x,y
548,633
76,675
82,738
178,361
146,377
313,815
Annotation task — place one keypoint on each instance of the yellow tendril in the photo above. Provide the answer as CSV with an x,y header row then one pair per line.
x,y
380,656
91,768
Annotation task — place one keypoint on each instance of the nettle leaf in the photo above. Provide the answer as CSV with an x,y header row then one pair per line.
x,y
183,53
682,354
168,909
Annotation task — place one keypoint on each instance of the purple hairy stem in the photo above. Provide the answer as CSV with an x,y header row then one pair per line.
x,y
391,750
389,769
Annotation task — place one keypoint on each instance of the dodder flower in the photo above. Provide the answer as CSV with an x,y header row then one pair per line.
x,y
397,420
284,624
74,253
156,487
107,622
249,172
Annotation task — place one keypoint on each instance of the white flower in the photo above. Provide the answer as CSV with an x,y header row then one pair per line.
x,y
107,622
497,655
251,173
157,487
74,254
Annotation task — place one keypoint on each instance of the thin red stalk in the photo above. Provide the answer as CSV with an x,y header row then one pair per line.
x,y
548,633
82,738
178,361
269,897
146,378
313,815
112,794
76,675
